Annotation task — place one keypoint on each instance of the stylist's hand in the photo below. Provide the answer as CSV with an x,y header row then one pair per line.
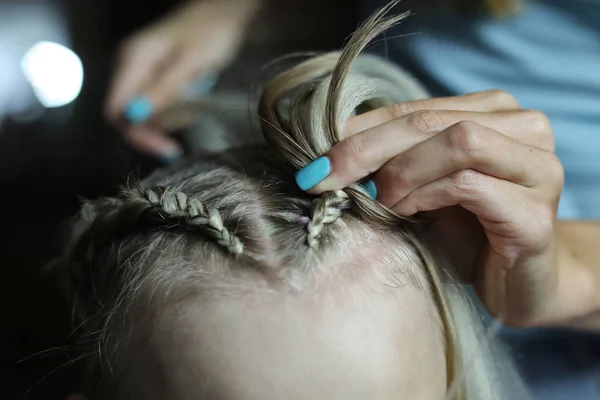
x,y
156,64
481,152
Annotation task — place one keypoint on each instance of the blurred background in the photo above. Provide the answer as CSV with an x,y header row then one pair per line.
x,y
55,147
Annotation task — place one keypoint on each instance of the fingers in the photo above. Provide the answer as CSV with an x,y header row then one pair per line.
x,y
169,86
477,192
154,142
364,153
487,101
137,92
462,146
508,210
146,111
138,63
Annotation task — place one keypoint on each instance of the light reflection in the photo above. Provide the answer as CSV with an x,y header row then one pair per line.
x,y
54,72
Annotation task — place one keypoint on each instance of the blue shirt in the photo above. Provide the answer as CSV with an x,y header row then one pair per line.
x,y
547,56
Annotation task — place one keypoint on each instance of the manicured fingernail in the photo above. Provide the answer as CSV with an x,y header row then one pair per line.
x,y
309,176
139,110
170,156
207,83
371,188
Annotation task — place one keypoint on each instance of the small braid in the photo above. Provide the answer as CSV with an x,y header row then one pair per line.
x,y
176,205
325,210
166,208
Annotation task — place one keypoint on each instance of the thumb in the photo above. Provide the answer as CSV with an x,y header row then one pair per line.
x,y
152,141
138,64
160,94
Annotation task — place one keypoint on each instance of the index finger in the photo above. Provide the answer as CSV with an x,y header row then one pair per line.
x,y
486,101
135,69
364,153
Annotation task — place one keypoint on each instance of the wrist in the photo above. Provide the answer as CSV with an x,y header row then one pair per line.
x,y
577,293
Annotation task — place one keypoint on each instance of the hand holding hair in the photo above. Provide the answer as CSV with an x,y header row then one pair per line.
x,y
481,152
156,63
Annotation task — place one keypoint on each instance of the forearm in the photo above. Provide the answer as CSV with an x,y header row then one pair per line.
x,y
578,285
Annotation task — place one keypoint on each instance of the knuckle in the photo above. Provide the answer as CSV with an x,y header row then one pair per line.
x,y
504,98
555,171
465,181
538,121
539,124
394,174
394,177
541,231
355,151
403,108
547,217
466,137
427,121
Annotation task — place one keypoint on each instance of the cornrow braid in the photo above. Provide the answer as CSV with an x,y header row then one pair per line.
x,y
159,207
325,210
303,110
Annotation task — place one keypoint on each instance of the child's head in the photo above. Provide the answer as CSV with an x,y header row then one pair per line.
x,y
249,311
220,279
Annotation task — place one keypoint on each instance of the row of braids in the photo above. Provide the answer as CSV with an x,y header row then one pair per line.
x,y
104,223
302,111
138,209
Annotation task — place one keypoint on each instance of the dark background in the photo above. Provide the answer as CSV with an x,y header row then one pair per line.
x,y
47,163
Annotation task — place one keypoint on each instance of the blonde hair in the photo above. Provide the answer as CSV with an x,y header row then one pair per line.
x,y
133,254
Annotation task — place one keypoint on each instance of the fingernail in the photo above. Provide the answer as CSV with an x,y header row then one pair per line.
x,y
139,110
170,156
207,83
309,176
371,189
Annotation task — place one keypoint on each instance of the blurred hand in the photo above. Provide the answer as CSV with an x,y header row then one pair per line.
x,y
156,64
489,170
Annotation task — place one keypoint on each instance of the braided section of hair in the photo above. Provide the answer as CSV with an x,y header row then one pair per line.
x,y
303,111
157,207
176,205
325,210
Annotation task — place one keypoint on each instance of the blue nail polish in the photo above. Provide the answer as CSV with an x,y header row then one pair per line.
x,y
309,176
139,110
371,188
207,83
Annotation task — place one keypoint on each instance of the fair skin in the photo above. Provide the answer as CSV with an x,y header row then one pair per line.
x,y
365,338
496,161
345,333
497,177
350,329
157,62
